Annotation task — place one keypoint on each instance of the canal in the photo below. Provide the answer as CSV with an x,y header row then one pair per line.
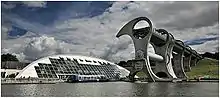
x,y
113,89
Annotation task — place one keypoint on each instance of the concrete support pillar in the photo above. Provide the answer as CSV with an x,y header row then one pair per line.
x,y
178,62
186,62
193,62
178,65
141,40
138,65
165,50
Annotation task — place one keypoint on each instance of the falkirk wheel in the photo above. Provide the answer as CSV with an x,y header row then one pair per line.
x,y
172,58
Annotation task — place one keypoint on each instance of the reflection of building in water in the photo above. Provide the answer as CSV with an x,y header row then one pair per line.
x,y
63,66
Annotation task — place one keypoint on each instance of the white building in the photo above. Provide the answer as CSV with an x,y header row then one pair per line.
x,y
61,66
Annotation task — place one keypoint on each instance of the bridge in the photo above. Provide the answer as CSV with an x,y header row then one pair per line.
x,y
171,60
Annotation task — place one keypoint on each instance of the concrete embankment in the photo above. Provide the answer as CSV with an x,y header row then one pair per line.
x,y
30,81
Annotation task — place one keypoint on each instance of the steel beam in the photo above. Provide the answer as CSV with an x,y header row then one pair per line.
x,y
155,57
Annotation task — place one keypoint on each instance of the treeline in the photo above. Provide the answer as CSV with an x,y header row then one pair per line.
x,y
8,57
211,55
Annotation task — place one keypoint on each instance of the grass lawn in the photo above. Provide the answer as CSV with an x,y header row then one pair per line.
x,y
205,67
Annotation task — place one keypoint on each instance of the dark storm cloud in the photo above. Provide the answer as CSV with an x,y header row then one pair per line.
x,y
184,15
206,18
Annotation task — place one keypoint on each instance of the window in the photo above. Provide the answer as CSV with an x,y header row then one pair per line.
x,y
43,72
59,60
94,61
53,72
54,76
40,64
38,71
100,62
54,65
48,71
51,68
52,61
56,62
57,71
64,62
81,60
88,61
66,72
55,68
68,59
61,72
62,59
47,68
49,76
40,75
44,75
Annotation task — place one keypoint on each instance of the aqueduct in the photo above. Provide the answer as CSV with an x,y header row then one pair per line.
x,y
172,58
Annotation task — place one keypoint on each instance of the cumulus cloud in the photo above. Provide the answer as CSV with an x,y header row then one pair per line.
x,y
210,46
43,46
31,48
96,36
35,3
107,25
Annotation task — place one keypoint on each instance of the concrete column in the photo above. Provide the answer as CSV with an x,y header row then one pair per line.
x,y
178,65
193,62
141,39
186,62
166,52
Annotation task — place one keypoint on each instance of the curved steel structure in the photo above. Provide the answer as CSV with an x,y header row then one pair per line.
x,y
172,57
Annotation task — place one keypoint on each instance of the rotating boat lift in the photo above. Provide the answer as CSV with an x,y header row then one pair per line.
x,y
172,58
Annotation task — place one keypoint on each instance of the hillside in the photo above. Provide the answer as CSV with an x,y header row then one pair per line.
x,y
206,67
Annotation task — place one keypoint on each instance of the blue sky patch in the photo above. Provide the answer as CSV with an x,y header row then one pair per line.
x,y
200,41
33,18
55,11
16,32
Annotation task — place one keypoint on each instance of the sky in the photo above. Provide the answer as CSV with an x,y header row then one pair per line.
x,y
32,30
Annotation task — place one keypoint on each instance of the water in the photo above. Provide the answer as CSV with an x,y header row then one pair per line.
x,y
113,89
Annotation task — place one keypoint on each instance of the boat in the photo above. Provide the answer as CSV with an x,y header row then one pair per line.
x,y
86,78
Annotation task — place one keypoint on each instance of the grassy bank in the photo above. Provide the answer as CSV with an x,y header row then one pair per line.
x,y
205,67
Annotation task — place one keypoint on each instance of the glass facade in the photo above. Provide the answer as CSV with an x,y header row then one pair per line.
x,y
62,68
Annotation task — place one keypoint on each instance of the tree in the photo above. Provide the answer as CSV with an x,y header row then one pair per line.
x,y
12,75
122,63
211,55
8,57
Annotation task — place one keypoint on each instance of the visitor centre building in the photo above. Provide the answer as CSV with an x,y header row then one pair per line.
x,y
63,66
